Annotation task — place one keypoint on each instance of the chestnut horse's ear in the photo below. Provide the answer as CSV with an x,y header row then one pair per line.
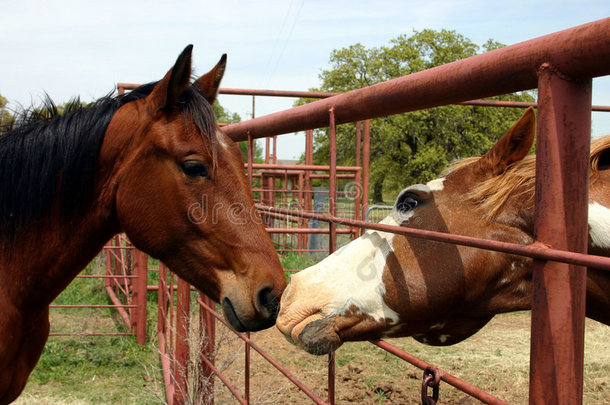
x,y
210,82
512,147
176,81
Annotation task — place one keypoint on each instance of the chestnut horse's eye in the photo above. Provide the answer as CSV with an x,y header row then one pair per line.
x,y
194,168
407,202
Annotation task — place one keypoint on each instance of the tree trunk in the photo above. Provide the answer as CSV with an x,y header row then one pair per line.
x,y
378,192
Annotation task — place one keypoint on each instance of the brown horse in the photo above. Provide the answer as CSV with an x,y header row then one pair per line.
x,y
152,164
386,285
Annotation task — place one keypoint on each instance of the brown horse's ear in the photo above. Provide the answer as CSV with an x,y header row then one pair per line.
x,y
176,81
512,147
210,82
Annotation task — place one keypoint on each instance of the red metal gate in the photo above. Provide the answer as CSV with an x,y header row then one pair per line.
x,y
125,280
561,66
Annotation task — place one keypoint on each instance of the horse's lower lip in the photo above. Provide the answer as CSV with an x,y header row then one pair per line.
x,y
296,330
231,316
319,337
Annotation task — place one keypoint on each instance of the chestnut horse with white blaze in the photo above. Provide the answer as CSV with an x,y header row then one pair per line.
x,y
137,163
386,285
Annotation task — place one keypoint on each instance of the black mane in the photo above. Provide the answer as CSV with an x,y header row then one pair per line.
x,y
49,156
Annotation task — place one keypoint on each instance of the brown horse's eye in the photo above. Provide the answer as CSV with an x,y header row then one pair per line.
x,y
194,168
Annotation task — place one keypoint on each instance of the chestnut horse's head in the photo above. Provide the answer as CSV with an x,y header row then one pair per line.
x,y
181,195
391,285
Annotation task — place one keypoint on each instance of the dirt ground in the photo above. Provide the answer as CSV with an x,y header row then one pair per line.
x,y
496,360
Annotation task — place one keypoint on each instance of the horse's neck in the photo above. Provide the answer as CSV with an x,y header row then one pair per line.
x,y
48,258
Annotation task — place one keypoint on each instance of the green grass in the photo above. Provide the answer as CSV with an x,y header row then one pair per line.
x,y
97,370
94,369
295,261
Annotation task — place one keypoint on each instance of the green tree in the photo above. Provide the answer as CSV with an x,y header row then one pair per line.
x,y
225,116
413,147
6,118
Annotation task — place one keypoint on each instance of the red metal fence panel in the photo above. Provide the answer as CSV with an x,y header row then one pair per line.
x,y
561,65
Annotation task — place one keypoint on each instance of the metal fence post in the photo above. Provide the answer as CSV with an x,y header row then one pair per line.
x,y
366,160
332,181
332,237
208,333
559,290
182,342
140,284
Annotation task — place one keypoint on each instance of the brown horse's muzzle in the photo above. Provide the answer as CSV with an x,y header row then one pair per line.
x,y
260,314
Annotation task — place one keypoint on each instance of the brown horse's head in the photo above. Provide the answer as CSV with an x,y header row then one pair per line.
x,y
390,285
181,195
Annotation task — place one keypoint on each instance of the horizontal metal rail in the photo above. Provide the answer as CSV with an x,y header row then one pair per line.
x,y
584,53
445,376
322,94
92,306
303,167
106,276
535,250
306,230
59,334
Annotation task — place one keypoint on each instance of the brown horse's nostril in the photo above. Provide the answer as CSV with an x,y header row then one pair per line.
x,y
268,303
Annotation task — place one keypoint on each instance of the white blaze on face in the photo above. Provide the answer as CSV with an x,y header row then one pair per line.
x,y
599,225
436,184
353,276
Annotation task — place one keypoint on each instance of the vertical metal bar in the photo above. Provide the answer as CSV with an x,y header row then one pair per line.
x,y
247,371
271,187
250,174
182,341
250,159
301,221
332,181
171,329
308,195
162,333
332,237
140,284
208,332
162,301
366,154
559,290
109,267
121,262
309,147
331,378
284,203
358,179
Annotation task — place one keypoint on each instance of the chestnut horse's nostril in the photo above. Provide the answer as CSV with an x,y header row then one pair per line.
x,y
268,303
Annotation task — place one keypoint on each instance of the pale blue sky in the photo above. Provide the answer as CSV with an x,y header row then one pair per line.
x,y
69,48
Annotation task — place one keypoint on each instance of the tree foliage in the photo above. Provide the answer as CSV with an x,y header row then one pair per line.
x,y
413,147
225,116
6,118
